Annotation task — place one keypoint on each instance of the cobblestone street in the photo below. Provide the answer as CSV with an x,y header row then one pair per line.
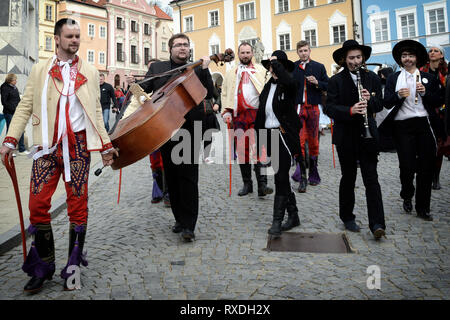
x,y
133,254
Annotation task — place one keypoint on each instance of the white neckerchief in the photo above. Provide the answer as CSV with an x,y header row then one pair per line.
x,y
62,129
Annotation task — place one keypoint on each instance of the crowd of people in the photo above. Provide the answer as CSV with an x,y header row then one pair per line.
x,y
277,98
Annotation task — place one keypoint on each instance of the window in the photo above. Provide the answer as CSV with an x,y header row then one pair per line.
x,y
247,11
188,24
147,30
164,46
120,23
48,43
146,55
338,34
251,41
134,26
213,18
437,20
49,12
102,32
134,56
214,49
283,6
407,25
91,30
308,3
310,36
285,42
120,55
90,56
101,58
381,30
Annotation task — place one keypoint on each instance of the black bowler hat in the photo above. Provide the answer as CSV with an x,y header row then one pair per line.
x,y
410,45
282,58
350,45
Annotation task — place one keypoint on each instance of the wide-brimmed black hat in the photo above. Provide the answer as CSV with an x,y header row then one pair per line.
x,y
349,45
418,48
282,58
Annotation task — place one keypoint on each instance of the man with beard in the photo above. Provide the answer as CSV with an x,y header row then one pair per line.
x,y
182,178
347,109
241,88
413,96
62,94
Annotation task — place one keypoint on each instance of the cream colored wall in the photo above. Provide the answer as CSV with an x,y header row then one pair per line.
x,y
46,28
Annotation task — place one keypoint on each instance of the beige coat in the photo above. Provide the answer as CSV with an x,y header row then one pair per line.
x,y
88,94
229,85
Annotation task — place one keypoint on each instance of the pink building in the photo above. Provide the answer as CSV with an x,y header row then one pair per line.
x,y
135,32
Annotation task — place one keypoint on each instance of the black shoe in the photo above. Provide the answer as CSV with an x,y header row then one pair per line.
x,y
188,235
279,207
35,284
156,200
177,228
407,205
246,189
425,216
436,185
352,226
302,186
166,200
264,190
292,210
378,232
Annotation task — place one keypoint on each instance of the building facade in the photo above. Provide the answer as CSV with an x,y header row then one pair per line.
x,y
138,32
387,22
48,10
19,50
214,25
93,20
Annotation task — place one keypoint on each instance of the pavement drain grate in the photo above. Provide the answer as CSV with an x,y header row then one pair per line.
x,y
177,263
310,242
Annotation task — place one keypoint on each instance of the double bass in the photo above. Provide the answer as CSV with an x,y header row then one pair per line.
x,y
160,115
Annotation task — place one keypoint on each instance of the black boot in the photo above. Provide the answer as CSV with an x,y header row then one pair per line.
x,y
293,220
303,180
436,184
279,206
246,172
263,190
40,261
77,236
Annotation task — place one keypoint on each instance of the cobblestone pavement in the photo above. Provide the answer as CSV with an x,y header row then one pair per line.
x,y
134,255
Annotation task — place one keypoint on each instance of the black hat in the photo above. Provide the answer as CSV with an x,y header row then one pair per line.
x,y
418,48
282,58
349,45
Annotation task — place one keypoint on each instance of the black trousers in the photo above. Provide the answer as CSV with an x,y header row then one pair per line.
x,y
368,164
281,165
416,150
182,180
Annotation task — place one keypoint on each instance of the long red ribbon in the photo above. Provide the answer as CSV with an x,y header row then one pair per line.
x,y
229,142
10,167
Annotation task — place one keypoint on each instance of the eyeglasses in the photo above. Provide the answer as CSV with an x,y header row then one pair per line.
x,y
179,45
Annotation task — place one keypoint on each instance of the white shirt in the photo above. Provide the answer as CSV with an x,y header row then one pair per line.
x,y
249,92
271,120
409,109
303,64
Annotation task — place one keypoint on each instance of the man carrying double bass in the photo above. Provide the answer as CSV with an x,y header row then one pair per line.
x,y
182,179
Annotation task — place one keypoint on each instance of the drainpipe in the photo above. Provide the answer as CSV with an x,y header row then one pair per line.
x,y
179,8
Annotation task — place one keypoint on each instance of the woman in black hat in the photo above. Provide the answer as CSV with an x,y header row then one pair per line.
x,y
413,96
277,116
344,106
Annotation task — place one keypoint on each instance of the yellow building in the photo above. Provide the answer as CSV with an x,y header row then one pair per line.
x,y
214,25
47,19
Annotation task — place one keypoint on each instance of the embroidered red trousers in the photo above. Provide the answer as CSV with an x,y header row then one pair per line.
x,y
45,174
309,117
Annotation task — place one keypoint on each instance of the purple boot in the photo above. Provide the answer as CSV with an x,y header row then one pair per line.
x,y
314,178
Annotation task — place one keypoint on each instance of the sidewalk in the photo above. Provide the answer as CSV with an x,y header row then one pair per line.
x,y
9,213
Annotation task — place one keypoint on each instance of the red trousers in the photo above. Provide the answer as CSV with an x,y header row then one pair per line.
x,y
245,137
309,117
45,174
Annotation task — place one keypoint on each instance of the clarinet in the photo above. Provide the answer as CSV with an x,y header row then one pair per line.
x,y
366,134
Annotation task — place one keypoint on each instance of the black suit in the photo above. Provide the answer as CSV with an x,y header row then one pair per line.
x,y
182,179
415,140
342,94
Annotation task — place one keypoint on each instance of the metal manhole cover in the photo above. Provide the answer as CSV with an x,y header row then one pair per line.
x,y
310,242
